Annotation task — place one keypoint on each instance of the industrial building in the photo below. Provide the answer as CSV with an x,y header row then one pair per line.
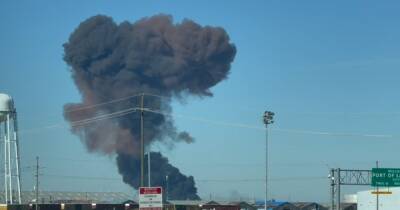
x,y
73,200
309,206
276,205
51,197
69,207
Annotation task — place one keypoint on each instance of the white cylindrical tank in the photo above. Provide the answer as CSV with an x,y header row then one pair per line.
x,y
6,105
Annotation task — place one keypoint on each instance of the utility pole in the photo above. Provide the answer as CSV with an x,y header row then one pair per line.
x,y
141,142
332,177
37,182
148,165
142,147
166,191
268,119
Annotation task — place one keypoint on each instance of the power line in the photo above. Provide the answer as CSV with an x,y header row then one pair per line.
x,y
89,161
169,98
263,180
85,121
208,165
103,117
197,180
83,177
103,103
114,101
203,120
37,183
221,123
241,125
333,134
307,113
158,96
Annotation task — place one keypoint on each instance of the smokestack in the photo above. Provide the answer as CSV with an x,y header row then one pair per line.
x,y
153,55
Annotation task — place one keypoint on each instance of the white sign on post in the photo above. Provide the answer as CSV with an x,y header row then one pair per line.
x,y
150,198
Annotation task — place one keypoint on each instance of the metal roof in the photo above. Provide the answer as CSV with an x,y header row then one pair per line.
x,y
187,202
271,203
88,197
305,204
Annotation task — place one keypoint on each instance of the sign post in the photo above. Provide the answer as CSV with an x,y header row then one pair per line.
x,y
150,198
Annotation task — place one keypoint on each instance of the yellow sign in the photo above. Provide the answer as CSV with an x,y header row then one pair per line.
x,y
381,192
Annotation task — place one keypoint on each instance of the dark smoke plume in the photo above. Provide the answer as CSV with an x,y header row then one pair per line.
x,y
155,56
179,185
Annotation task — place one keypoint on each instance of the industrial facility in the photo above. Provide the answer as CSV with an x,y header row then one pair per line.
x,y
13,198
10,160
199,105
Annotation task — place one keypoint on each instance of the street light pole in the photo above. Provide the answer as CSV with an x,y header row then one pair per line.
x,y
166,190
37,183
268,119
141,142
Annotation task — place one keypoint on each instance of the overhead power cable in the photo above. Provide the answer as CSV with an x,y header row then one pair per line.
x,y
114,101
85,121
103,117
241,125
262,180
197,180
103,103
83,177
221,123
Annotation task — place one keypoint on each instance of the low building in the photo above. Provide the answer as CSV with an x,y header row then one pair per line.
x,y
309,206
242,205
349,206
57,197
69,207
199,205
276,205
183,204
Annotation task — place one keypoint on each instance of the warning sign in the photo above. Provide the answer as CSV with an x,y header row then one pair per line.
x,y
150,198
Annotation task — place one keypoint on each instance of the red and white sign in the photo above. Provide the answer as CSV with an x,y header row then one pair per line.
x,y
150,198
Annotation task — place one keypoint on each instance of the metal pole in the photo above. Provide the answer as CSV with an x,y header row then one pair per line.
x,y
5,164
377,191
338,189
268,119
1,139
141,143
17,157
9,158
332,190
148,165
37,182
266,166
166,191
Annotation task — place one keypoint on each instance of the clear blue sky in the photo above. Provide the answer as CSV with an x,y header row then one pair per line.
x,y
321,66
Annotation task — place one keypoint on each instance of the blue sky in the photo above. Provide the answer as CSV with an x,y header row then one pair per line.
x,y
320,66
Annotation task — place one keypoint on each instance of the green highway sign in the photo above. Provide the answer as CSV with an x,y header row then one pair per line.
x,y
385,177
